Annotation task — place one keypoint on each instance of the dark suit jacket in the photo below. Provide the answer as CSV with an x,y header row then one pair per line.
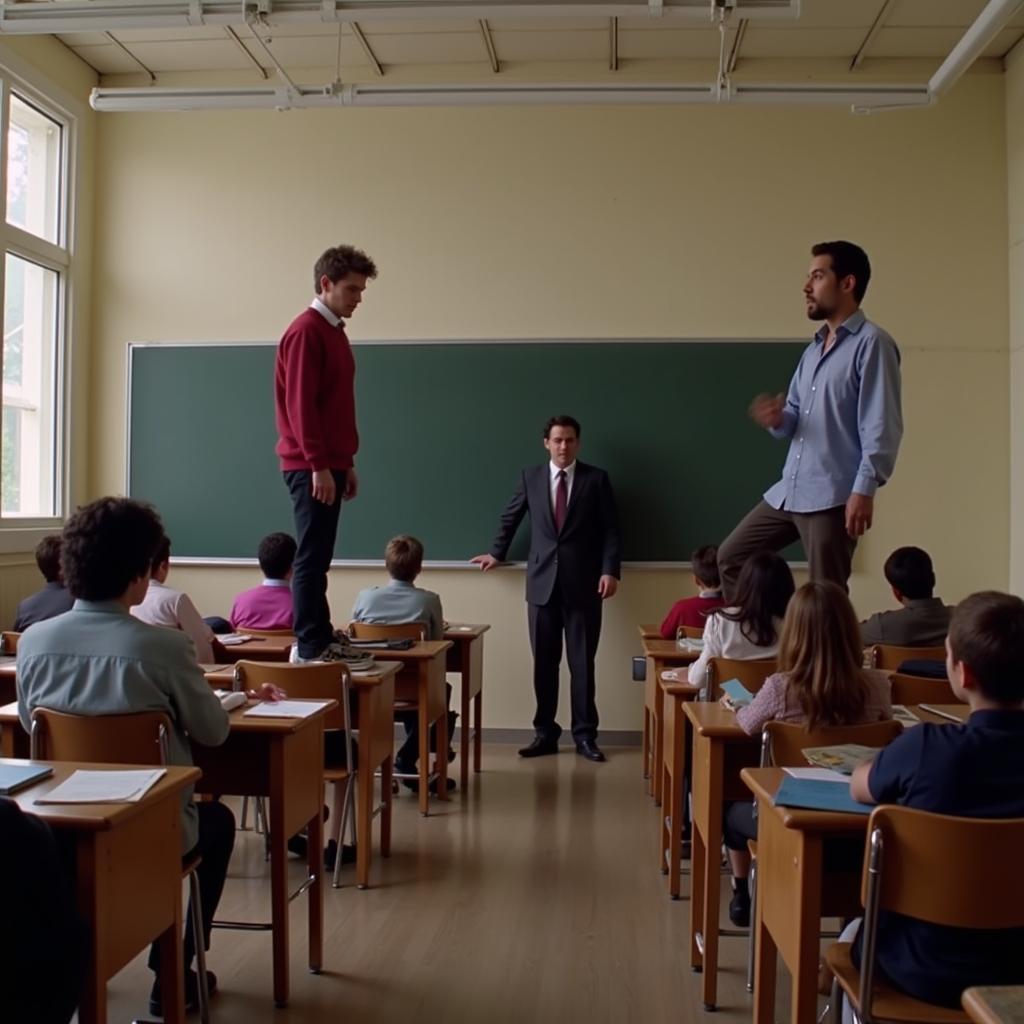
x,y
587,547
52,600
922,622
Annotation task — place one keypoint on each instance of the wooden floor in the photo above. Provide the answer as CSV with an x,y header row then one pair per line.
x,y
534,899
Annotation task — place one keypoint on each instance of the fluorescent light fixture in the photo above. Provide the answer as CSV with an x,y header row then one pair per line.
x,y
60,16
271,97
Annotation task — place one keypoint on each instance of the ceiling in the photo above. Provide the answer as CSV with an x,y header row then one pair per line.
x,y
836,30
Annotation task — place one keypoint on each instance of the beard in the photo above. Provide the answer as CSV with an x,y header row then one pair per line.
x,y
816,311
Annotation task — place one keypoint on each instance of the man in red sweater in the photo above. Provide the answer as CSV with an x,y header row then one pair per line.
x,y
315,409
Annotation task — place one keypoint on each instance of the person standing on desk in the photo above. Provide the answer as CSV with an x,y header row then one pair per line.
x,y
315,411
843,419
573,566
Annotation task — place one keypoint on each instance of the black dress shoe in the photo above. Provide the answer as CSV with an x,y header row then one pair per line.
x,y
539,747
590,750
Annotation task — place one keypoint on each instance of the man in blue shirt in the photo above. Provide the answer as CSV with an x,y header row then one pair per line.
x,y
843,420
974,770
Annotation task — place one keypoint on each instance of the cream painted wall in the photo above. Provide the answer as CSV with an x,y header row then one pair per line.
x,y
592,222
1015,196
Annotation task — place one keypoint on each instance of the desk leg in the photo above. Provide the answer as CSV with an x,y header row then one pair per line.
x,y
315,866
675,796
92,1004
765,963
172,970
441,757
465,731
808,915
386,772
657,742
712,875
364,816
278,877
698,869
478,730
423,724
645,746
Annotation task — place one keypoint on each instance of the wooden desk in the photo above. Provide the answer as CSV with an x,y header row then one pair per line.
x,y
262,648
661,654
789,893
8,678
281,759
14,741
720,749
466,657
422,679
673,785
995,1004
649,631
127,880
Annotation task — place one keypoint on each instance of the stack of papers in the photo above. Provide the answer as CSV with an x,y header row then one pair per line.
x,y
92,787
230,699
843,757
905,716
286,709
230,639
689,643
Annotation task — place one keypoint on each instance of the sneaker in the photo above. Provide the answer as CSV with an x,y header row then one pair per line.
x,y
357,661
414,785
156,1000
739,909
348,854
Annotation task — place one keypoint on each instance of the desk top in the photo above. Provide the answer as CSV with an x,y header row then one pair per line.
x,y
464,630
995,1004
678,689
422,650
709,718
667,650
763,783
223,676
959,711
95,817
649,631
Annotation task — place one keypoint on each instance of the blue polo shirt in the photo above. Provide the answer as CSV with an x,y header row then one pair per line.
x,y
974,770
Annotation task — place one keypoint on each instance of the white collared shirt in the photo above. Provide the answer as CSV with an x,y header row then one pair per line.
x,y
276,583
322,309
570,472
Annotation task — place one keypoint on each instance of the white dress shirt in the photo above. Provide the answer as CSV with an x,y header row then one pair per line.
x,y
322,309
570,472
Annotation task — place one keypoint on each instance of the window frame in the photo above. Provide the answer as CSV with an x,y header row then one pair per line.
x,y
17,78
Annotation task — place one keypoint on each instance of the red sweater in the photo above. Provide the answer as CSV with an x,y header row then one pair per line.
x,y
314,396
690,611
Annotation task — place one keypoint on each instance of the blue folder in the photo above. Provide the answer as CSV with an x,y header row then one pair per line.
x,y
819,796
737,692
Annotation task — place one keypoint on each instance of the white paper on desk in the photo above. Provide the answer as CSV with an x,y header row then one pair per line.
x,y
91,787
901,713
818,774
286,709
230,639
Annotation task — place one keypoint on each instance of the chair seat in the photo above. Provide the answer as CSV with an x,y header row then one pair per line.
x,y
336,774
888,1003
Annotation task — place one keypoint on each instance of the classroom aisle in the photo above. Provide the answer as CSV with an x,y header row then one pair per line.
x,y
535,899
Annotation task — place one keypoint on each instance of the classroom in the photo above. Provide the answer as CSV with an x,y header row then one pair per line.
x,y
601,217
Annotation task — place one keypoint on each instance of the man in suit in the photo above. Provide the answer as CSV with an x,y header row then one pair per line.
x,y
573,566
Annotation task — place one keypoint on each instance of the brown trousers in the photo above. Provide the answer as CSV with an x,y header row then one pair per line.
x,y
823,535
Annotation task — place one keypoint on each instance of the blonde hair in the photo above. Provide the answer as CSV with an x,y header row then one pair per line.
x,y
820,653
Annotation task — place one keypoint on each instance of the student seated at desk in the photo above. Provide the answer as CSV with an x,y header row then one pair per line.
x,y
98,659
748,629
43,965
162,605
693,611
923,619
401,601
268,606
974,770
53,599
820,683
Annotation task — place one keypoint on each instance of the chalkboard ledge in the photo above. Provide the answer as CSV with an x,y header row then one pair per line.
x,y
378,563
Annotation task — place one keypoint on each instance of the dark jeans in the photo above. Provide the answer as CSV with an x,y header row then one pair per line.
x,y
581,625
216,841
823,534
316,527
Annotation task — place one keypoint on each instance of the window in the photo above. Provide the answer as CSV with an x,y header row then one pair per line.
x,y
36,269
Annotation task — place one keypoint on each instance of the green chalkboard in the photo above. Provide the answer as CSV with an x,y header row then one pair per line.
x,y
445,429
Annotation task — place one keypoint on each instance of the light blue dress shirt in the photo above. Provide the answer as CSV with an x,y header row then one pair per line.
x,y
399,602
843,419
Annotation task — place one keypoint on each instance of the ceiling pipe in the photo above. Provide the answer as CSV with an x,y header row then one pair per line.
x,y
993,19
66,16
281,97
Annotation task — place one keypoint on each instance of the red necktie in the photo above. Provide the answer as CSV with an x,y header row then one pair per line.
x,y
561,500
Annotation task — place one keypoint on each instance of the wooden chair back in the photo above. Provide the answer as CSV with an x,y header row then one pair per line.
x,y
693,632
920,690
9,642
785,742
389,631
751,674
316,680
137,738
888,657
270,634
